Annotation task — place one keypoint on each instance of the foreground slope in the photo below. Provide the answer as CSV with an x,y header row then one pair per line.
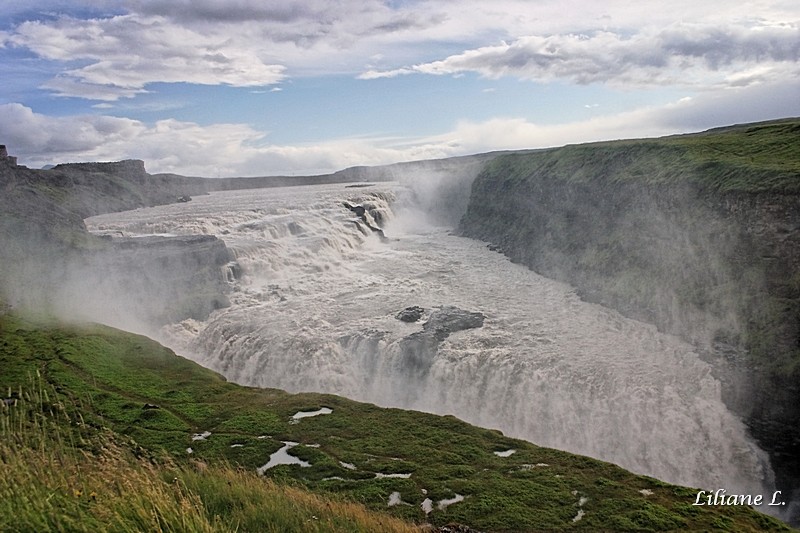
x,y
95,377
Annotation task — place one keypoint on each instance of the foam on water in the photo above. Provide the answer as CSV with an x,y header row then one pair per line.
x,y
315,312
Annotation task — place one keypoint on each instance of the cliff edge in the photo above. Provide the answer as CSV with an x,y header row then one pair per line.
x,y
51,264
697,234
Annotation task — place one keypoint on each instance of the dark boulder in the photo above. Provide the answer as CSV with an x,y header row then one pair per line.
x,y
420,348
449,319
362,213
410,314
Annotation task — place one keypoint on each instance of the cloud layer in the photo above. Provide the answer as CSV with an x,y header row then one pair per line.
x,y
718,62
683,54
239,150
122,54
251,43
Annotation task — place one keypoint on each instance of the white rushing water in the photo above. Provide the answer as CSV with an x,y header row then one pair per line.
x,y
315,311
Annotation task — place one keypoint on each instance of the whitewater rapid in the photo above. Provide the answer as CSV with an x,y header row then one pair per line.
x,y
315,311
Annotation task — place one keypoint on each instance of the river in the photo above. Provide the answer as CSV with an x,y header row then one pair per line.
x,y
315,310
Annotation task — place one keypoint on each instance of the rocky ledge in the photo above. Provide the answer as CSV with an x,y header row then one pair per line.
x,y
420,348
165,278
50,263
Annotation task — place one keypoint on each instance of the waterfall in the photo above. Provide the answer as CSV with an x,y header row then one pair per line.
x,y
316,310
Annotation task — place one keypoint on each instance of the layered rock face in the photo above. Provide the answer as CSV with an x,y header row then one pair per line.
x,y
95,188
50,263
7,158
708,252
153,280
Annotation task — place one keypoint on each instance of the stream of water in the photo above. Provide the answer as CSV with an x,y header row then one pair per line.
x,y
315,311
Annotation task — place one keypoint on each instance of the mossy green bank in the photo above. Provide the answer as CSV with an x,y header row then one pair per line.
x,y
156,405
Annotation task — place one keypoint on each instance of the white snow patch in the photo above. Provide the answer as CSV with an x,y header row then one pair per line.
x,y
378,475
427,505
305,414
201,436
506,453
444,504
531,467
394,499
581,501
282,457
646,492
349,466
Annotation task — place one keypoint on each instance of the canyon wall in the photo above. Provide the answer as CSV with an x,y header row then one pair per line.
x,y
697,234
52,265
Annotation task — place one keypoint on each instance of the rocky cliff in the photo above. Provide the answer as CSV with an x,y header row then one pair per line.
x,y
697,234
93,188
51,264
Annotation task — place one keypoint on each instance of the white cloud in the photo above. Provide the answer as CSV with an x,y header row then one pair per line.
x,y
66,85
242,43
251,43
736,105
34,135
121,55
682,54
239,150
174,146
709,110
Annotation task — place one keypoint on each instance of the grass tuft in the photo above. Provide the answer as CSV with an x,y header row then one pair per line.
x,y
59,475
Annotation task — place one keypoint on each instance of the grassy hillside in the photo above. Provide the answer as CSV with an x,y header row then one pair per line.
x,y
102,421
760,157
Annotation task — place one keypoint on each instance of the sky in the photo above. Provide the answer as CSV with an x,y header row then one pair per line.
x,y
282,87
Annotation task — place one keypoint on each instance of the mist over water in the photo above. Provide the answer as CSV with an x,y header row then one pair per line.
x,y
315,311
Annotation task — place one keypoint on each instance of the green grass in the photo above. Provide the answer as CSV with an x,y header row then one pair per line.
x,y
753,158
97,378
60,474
